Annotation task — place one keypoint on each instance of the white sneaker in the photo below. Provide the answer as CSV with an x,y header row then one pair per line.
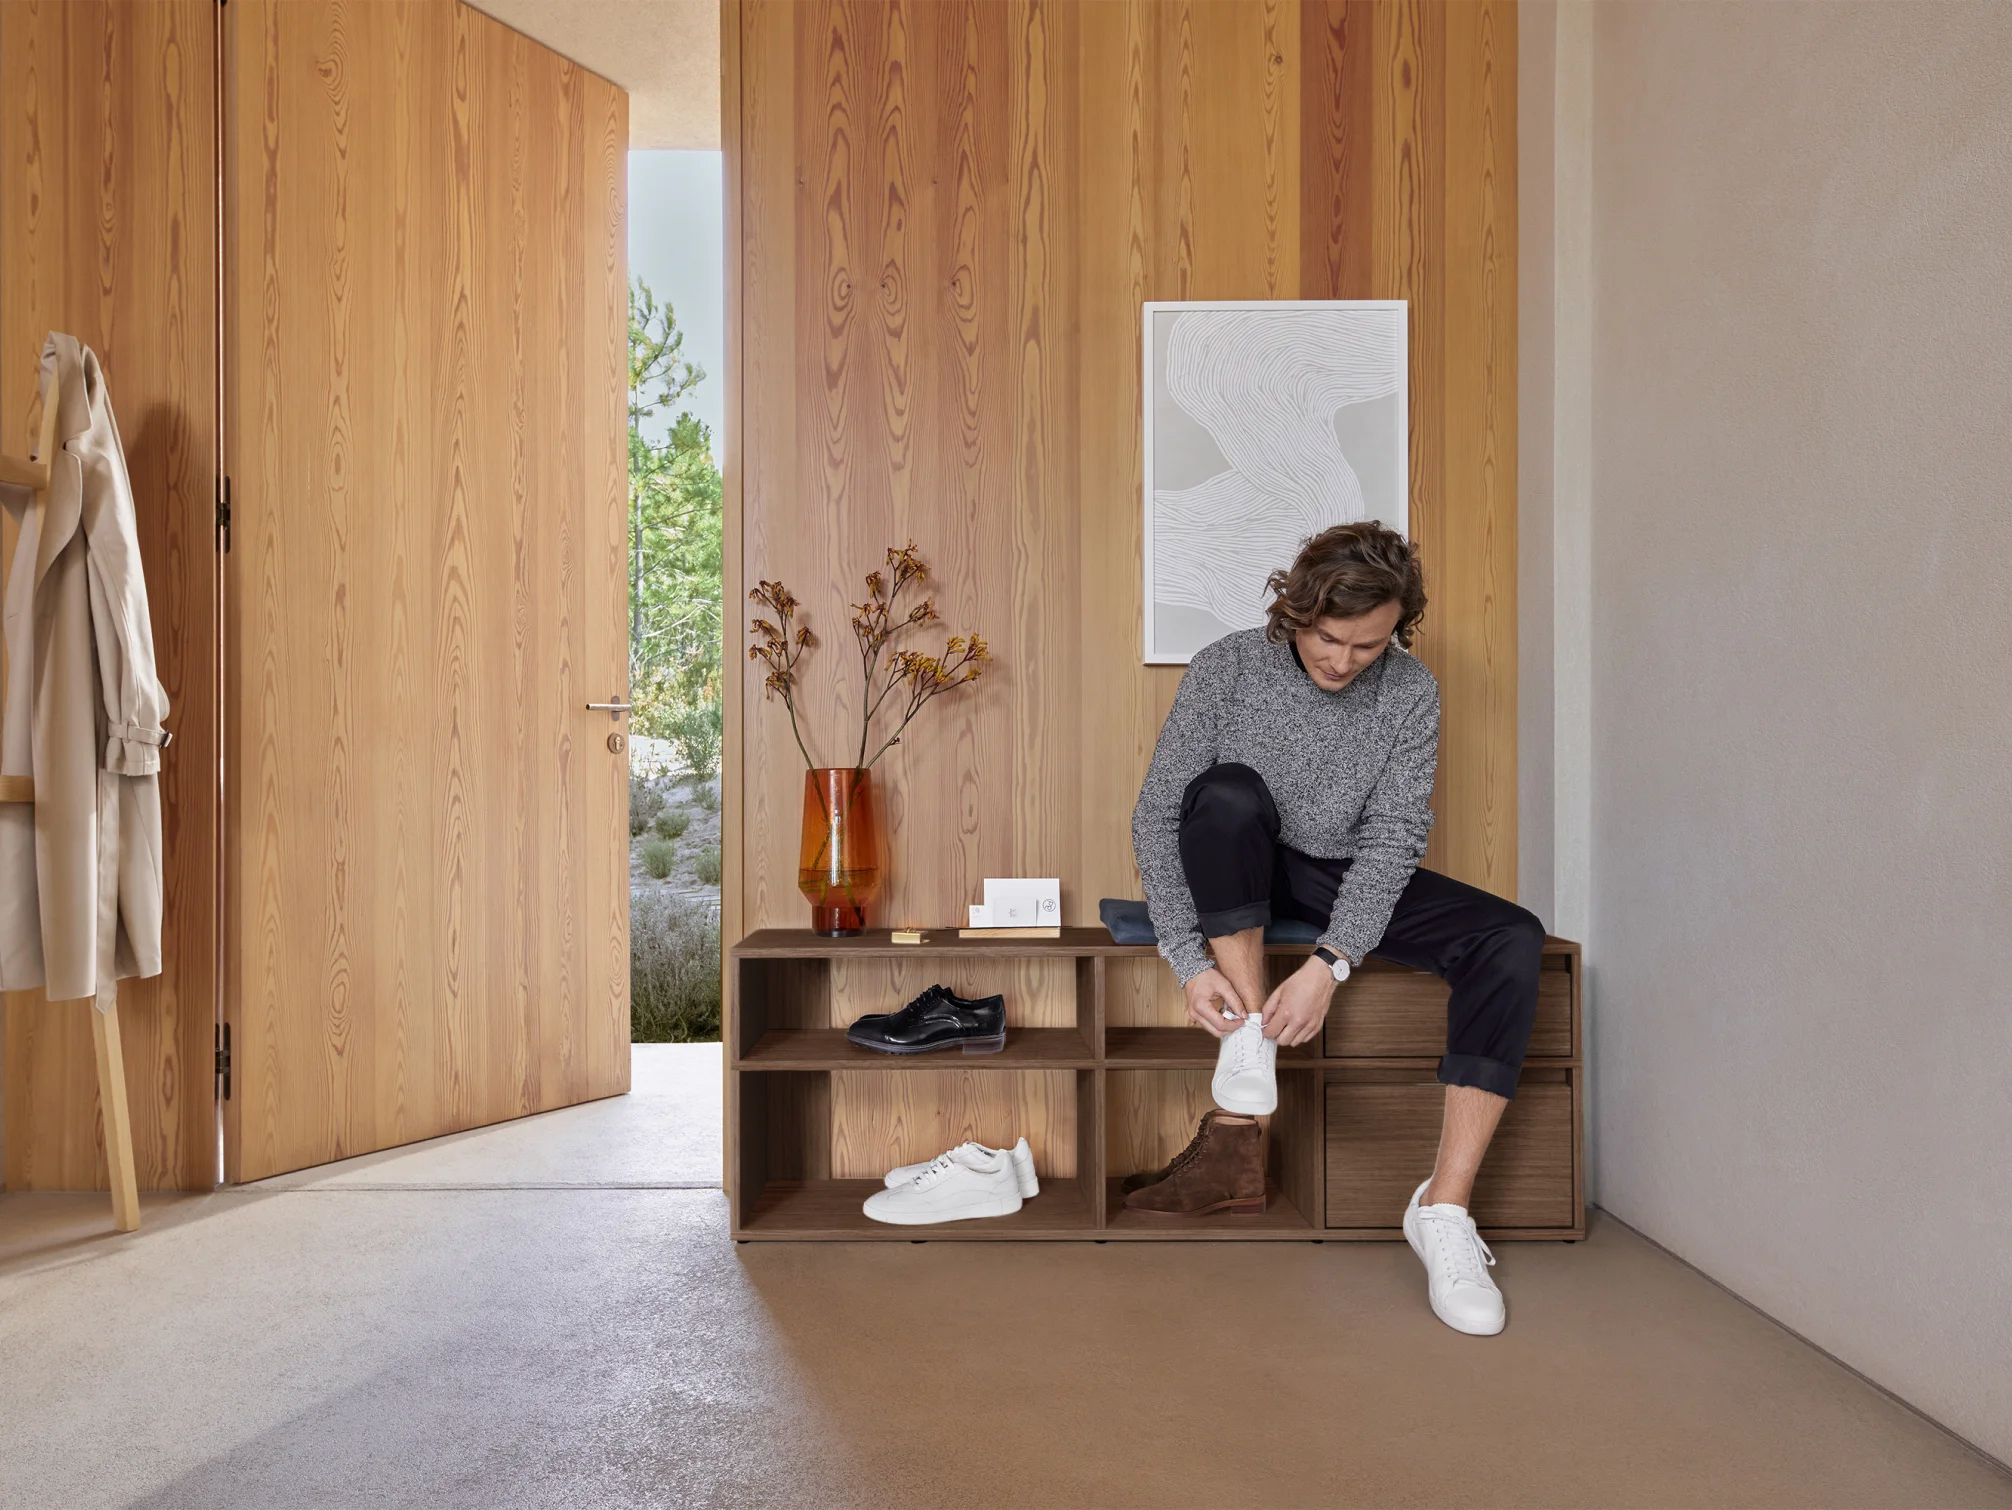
x,y
969,1181
1020,1153
1247,1070
1456,1263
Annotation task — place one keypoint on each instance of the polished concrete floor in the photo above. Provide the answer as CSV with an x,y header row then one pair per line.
x,y
538,1315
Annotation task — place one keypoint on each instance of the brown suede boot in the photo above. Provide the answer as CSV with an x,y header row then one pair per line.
x,y
1221,1170
1141,1178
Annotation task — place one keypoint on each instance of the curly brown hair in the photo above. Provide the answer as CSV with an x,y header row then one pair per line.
x,y
1344,573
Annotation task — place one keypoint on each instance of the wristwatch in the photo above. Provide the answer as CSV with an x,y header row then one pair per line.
x,y
1333,961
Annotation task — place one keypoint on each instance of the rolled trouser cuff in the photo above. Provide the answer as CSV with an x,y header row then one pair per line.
x,y
1483,1074
1217,925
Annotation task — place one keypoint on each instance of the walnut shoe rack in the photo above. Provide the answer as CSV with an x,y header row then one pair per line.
x,y
1103,1081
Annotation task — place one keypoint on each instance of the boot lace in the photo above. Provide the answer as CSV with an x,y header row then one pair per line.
x,y
1192,1152
1463,1254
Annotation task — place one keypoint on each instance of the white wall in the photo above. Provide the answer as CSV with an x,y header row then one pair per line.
x,y
1800,778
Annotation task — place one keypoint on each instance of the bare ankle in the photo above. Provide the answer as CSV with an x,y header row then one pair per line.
x,y
1440,1192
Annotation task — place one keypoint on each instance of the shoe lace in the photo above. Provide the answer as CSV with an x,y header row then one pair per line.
x,y
1464,1255
1247,1047
940,1165
933,993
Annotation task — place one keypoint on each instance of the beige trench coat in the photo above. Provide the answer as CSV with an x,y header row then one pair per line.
x,y
80,870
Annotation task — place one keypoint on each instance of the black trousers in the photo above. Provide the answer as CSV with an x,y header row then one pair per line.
x,y
1486,949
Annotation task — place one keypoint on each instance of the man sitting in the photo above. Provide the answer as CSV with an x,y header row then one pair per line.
x,y
1292,780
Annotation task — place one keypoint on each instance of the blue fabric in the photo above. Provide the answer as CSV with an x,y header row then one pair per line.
x,y
1129,923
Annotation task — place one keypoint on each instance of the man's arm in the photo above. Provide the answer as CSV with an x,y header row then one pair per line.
x,y
1389,837
1187,747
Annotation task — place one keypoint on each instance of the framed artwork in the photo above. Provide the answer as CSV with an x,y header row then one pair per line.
x,y
1265,422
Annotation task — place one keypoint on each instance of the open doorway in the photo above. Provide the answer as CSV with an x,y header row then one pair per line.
x,y
677,341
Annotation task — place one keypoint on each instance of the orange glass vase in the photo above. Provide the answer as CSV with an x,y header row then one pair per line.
x,y
838,865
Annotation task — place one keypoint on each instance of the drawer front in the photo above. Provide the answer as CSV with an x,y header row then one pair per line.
x,y
1385,1012
1382,1138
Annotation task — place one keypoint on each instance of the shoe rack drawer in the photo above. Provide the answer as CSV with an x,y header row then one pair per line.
x,y
1383,1133
1384,1011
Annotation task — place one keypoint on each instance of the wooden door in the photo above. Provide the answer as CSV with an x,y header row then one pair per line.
x,y
108,230
426,917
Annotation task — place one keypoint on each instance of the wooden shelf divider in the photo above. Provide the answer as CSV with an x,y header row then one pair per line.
x,y
1355,1130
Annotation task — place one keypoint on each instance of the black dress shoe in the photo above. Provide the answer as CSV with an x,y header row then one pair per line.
x,y
937,1019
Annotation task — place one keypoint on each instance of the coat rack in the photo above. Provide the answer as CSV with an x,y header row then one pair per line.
x,y
105,1011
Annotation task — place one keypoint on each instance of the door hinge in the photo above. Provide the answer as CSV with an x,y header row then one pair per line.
x,y
224,513
224,1058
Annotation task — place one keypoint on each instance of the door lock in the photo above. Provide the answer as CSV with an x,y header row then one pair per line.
x,y
615,744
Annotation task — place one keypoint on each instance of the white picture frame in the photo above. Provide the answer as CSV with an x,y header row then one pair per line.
x,y
1280,418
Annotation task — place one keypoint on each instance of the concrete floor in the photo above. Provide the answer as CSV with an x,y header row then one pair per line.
x,y
535,1315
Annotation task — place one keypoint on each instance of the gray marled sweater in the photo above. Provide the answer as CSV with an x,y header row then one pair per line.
x,y
1351,772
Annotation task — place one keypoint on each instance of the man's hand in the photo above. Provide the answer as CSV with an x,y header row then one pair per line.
x,y
1204,991
1294,1012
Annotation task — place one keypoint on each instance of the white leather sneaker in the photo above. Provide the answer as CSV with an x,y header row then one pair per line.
x,y
969,1181
1456,1263
1020,1153
1247,1070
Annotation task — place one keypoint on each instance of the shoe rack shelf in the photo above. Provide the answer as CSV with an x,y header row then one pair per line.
x,y
1102,1080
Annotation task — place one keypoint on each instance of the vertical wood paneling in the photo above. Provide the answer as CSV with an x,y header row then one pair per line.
x,y
1474,649
427,836
108,206
949,215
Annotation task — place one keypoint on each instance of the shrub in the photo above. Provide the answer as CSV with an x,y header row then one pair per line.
x,y
706,865
672,822
646,800
707,796
674,970
658,857
698,732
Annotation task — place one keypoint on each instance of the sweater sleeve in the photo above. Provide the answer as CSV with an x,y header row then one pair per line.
x,y
1187,747
1390,835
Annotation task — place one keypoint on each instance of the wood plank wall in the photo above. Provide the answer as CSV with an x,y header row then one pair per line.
x,y
947,218
108,230
427,832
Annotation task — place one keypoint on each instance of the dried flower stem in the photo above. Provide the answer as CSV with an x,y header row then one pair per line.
x,y
780,650
874,624
929,676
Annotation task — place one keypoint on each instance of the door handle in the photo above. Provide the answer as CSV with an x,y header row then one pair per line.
x,y
614,709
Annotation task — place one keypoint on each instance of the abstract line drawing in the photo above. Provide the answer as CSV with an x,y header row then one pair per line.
x,y
1264,423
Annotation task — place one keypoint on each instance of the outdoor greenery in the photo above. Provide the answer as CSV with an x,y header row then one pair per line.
x,y
674,970
646,803
699,731
674,544
659,855
706,865
674,681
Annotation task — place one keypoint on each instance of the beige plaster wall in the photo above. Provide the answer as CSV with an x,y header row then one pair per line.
x,y
1801,639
